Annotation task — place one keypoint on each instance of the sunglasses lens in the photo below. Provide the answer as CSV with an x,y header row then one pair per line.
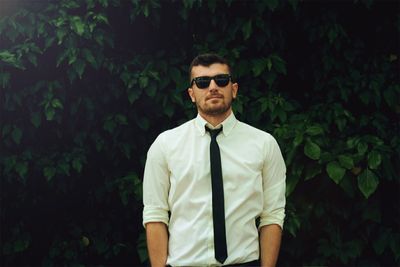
x,y
203,82
222,80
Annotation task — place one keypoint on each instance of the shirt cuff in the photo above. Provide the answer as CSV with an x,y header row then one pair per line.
x,y
275,217
155,214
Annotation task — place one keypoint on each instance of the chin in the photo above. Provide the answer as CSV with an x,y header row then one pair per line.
x,y
216,111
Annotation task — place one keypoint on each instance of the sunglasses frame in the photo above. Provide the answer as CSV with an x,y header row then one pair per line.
x,y
195,80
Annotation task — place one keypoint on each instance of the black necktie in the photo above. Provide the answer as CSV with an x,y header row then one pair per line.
x,y
217,185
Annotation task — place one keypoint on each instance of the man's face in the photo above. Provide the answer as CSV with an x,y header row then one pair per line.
x,y
213,100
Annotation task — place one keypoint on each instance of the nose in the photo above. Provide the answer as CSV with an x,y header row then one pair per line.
x,y
213,85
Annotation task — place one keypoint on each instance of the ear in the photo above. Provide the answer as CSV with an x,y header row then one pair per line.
x,y
191,94
235,88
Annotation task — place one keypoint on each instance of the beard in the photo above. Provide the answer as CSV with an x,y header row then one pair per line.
x,y
212,110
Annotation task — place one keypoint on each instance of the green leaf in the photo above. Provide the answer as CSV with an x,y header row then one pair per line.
x,y
279,64
293,224
169,110
394,245
50,113
312,150
381,242
128,79
269,64
21,168
291,184
60,33
109,126
79,66
259,66
154,75
65,167
4,79
8,57
36,119
104,3
146,10
247,29
346,161
21,245
143,81
312,171
176,75
341,123
272,4
9,163
151,90
281,114
335,171
6,130
72,55
298,139
16,135
390,97
367,182
372,213
314,130
88,55
332,34
134,94
102,18
374,159
212,4
71,4
362,148
33,59
77,164
56,103
121,119
141,247
49,172
126,148
77,25
347,185
99,144
143,123
61,57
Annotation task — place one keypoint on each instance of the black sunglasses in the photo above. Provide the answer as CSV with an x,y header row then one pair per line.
x,y
203,82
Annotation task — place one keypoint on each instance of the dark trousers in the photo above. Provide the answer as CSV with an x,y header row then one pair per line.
x,y
255,263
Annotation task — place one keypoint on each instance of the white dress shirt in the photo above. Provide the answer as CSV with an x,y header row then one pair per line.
x,y
177,180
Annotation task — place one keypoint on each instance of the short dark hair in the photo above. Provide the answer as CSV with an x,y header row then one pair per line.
x,y
207,60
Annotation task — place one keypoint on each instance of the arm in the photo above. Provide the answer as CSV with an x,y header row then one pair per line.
x,y
155,200
157,243
270,241
272,217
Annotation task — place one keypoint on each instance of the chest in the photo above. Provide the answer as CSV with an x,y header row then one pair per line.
x,y
241,158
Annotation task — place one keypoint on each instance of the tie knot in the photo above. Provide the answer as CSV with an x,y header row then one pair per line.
x,y
213,132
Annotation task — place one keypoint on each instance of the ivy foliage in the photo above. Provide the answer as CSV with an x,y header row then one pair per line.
x,y
86,86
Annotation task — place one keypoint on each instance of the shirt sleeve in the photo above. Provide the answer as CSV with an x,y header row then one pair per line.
x,y
156,185
274,186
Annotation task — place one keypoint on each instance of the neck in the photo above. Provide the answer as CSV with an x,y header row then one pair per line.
x,y
214,120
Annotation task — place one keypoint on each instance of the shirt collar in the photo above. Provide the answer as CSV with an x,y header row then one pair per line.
x,y
227,124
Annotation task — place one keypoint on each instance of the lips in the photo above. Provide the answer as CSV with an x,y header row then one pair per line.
x,y
214,97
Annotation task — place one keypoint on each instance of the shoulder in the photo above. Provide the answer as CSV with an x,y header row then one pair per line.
x,y
174,133
171,135
259,138
254,132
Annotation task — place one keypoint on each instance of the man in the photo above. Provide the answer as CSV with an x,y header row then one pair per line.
x,y
208,181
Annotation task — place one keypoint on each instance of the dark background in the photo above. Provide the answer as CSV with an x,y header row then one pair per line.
x,y
86,86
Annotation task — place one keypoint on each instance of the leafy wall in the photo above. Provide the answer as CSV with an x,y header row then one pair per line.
x,y
86,86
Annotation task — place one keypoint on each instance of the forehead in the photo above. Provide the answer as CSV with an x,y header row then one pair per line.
x,y
212,70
